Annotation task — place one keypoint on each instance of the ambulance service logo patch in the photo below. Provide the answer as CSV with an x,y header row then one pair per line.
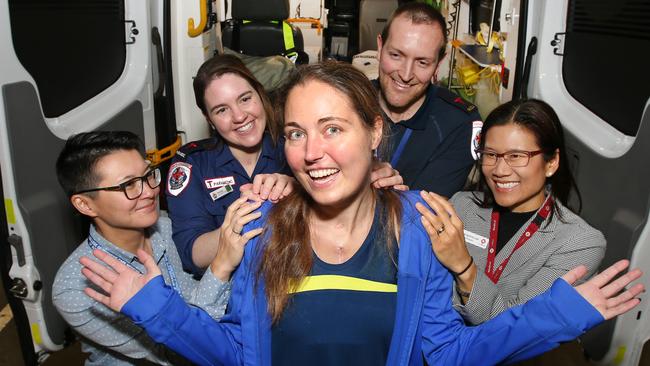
x,y
476,138
179,177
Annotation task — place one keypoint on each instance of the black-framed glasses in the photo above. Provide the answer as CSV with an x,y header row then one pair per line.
x,y
514,158
133,187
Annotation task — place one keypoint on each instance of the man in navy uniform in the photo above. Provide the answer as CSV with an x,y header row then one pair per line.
x,y
433,131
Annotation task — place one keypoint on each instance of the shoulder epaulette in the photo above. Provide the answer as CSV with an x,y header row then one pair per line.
x,y
455,100
196,146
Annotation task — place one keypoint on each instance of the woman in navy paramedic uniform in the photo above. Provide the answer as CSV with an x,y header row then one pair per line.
x,y
518,235
205,176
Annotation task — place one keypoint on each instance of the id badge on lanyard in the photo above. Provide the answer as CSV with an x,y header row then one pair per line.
x,y
495,273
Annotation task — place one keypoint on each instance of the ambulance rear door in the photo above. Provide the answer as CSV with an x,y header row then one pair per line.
x,y
591,65
65,67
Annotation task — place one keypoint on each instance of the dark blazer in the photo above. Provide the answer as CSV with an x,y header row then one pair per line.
x,y
551,252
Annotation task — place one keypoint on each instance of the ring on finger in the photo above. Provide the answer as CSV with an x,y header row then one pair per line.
x,y
441,230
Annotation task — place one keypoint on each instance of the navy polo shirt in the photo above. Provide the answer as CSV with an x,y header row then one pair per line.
x,y
438,155
341,314
203,180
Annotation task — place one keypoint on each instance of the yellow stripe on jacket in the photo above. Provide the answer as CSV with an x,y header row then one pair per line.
x,y
335,282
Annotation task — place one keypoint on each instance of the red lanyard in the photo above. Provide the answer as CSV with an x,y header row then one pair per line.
x,y
494,274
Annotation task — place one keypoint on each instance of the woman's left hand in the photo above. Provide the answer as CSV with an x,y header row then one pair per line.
x,y
603,291
384,176
272,187
445,231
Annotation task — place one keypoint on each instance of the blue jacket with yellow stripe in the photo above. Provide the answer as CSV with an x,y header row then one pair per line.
x,y
425,321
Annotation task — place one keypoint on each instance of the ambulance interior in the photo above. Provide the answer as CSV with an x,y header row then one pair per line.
x,y
70,66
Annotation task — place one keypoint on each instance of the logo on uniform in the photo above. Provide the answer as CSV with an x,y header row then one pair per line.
x,y
476,138
178,178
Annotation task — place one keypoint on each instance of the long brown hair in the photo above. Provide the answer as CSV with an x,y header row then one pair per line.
x,y
220,65
288,256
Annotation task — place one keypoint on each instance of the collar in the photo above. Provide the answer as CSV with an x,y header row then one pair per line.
x,y
270,150
156,246
223,155
485,214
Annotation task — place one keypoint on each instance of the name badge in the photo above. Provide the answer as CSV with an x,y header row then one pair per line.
x,y
475,239
220,192
219,182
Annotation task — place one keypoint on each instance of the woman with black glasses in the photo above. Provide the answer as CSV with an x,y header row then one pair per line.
x,y
108,181
510,239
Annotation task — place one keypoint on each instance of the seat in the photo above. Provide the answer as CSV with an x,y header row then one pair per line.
x,y
258,28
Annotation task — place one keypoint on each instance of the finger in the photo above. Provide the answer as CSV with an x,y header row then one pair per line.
x,y
267,186
437,203
230,212
429,216
287,189
620,283
101,270
116,265
433,234
251,234
575,274
442,201
610,273
381,172
452,217
276,191
620,309
242,221
246,187
148,262
401,187
258,180
388,181
97,296
245,209
625,296
97,280
250,196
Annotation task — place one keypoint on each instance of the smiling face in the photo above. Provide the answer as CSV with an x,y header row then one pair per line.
x,y
328,147
407,61
520,189
111,210
236,111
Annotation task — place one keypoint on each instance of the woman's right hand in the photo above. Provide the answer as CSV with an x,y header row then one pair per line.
x,y
119,282
231,240
446,231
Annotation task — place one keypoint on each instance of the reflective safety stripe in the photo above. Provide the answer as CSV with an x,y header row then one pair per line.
x,y
335,282
287,32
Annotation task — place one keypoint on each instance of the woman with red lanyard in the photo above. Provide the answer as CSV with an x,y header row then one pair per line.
x,y
510,239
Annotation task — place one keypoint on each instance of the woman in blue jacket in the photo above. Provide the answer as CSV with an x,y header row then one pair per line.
x,y
344,273
206,176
